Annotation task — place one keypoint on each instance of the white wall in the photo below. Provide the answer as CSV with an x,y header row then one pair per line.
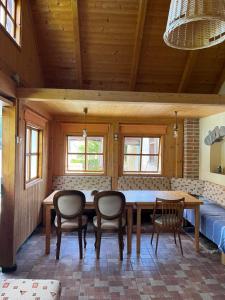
x,y
206,124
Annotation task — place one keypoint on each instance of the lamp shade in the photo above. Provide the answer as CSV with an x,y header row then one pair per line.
x,y
195,24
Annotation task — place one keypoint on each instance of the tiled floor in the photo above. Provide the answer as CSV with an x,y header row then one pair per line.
x,y
168,276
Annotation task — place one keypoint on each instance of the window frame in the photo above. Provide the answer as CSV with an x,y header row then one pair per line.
x,y
85,172
160,156
39,154
16,20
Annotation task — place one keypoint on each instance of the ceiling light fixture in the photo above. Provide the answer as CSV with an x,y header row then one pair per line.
x,y
195,24
175,127
85,129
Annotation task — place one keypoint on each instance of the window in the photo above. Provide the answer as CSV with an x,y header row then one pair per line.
x,y
142,155
10,18
85,154
33,154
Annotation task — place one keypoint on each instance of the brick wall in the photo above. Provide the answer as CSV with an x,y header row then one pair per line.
x,y
191,148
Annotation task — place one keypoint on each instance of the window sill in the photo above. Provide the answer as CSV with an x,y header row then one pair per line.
x,y
33,182
18,45
143,174
85,174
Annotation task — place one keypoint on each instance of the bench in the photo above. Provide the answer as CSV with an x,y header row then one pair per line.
x,y
27,289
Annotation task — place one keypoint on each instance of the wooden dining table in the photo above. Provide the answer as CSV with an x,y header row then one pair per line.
x,y
135,199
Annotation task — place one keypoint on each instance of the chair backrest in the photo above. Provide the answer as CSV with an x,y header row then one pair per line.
x,y
109,204
69,204
171,211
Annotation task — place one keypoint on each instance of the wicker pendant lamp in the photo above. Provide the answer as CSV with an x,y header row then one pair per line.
x,y
195,24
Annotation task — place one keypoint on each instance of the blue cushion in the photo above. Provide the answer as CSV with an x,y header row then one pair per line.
x,y
212,222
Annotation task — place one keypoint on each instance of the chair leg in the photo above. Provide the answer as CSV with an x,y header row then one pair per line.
x,y
175,240
157,241
58,243
121,243
95,239
153,232
85,232
80,243
181,249
98,243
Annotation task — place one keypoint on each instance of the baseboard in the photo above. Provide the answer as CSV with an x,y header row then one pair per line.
x,y
9,269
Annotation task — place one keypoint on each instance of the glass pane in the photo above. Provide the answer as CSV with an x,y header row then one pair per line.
x,y
76,162
149,164
150,145
95,163
131,163
11,7
76,144
33,166
132,145
27,168
95,144
2,15
9,26
27,140
34,141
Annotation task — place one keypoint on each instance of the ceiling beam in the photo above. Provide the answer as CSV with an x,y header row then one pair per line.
x,y
142,11
77,45
191,60
47,95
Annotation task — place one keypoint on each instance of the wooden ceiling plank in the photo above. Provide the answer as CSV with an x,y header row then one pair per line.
x,y
48,95
138,42
220,81
191,60
77,42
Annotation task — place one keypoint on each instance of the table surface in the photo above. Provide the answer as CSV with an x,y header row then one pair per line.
x,y
140,196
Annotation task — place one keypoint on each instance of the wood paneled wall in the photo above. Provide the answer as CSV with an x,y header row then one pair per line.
x,y
25,60
21,208
172,149
28,201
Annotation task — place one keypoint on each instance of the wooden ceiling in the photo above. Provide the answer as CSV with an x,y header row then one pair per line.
x,y
118,45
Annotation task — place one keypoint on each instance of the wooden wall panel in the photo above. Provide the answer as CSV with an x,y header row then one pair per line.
x,y
28,202
172,150
24,60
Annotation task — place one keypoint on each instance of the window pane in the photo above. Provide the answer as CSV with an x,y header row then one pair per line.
x,y
150,145
9,25
11,7
95,163
76,144
27,168
2,15
95,144
76,162
132,145
149,164
34,141
131,163
33,166
28,140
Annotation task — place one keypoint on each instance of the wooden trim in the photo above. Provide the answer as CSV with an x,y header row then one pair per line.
x,y
49,95
7,87
34,119
142,11
190,63
77,43
142,130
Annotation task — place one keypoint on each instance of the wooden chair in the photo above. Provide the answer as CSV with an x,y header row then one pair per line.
x,y
110,207
168,217
69,206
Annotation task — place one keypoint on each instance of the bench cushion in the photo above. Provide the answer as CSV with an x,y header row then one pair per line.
x,y
81,183
191,186
212,222
214,192
27,289
143,183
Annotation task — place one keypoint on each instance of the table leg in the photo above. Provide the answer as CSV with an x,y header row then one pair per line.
x,y
138,229
47,229
129,228
197,228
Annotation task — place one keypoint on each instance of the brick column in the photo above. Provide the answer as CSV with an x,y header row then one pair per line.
x,y
191,148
